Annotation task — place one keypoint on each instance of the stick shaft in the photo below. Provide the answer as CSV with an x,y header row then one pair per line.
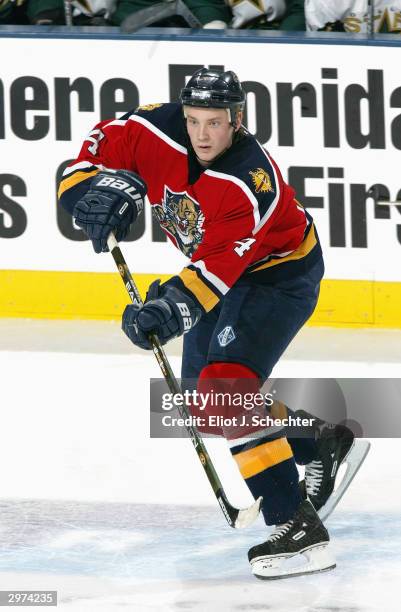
x,y
165,368
235,518
371,18
68,12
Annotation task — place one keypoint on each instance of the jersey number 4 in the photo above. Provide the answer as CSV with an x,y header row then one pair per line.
x,y
244,245
95,136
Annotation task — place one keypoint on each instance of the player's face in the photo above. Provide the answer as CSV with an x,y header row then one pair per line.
x,y
210,132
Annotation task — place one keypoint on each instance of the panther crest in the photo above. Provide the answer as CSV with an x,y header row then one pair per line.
x,y
261,180
181,216
148,107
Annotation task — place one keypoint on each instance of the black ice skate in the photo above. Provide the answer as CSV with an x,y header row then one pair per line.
x,y
336,446
297,547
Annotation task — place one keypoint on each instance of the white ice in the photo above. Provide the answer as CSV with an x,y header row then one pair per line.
x,y
113,520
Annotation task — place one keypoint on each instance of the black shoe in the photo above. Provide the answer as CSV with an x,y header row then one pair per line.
x,y
334,442
284,552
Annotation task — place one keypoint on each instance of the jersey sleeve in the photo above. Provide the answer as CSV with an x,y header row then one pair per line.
x,y
320,12
110,144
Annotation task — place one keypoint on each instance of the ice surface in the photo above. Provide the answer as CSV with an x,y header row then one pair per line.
x,y
164,557
113,520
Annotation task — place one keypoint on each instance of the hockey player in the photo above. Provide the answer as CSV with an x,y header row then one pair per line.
x,y
355,16
255,265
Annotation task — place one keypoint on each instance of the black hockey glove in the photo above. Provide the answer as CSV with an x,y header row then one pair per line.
x,y
167,311
112,204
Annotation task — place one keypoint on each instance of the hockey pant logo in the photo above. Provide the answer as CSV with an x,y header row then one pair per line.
x,y
226,336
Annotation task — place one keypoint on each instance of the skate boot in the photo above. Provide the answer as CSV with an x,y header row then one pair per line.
x,y
297,547
336,446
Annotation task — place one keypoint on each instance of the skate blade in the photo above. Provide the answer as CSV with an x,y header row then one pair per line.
x,y
318,559
353,460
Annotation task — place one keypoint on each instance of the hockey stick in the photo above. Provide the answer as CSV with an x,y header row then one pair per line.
x,y
162,10
235,518
371,26
68,12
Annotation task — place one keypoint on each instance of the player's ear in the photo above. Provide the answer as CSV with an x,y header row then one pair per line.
x,y
238,121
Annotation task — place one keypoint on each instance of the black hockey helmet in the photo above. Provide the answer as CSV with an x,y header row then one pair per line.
x,y
214,89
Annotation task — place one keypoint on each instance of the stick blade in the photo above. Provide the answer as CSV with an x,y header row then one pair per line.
x,y
247,516
239,519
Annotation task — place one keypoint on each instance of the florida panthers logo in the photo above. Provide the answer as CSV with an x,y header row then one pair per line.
x,y
261,180
181,216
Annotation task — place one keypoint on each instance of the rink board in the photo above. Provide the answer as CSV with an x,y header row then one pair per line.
x,y
339,135
89,295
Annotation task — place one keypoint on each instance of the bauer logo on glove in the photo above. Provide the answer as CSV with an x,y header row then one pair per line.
x,y
127,188
112,204
167,312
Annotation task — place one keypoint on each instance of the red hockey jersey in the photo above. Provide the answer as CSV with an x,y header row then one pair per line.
x,y
236,217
